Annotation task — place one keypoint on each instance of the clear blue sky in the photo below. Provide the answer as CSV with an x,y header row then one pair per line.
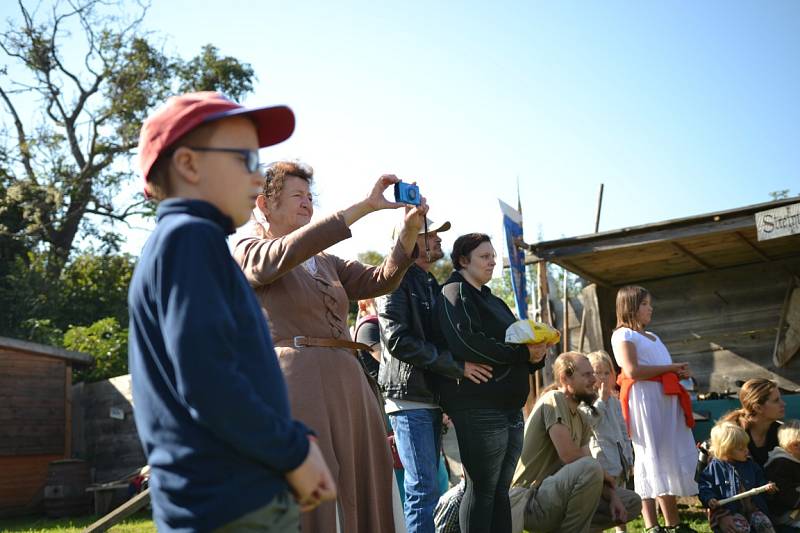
x,y
680,108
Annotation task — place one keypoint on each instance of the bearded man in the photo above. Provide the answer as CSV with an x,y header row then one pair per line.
x,y
558,485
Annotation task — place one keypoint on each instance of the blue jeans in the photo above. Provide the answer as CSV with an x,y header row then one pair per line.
x,y
490,442
418,435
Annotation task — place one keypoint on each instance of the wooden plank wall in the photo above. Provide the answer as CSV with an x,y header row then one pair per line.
x,y
22,481
722,322
33,417
593,327
111,446
32,406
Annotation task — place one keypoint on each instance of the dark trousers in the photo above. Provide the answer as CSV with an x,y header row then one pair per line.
x,y
281,515
490,443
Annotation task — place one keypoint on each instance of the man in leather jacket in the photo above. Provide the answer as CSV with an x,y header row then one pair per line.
x,y
412,353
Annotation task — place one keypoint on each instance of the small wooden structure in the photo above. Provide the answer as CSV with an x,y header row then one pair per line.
x,y
724,302
35,418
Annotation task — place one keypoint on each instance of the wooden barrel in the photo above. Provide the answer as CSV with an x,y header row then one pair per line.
x,y
65,493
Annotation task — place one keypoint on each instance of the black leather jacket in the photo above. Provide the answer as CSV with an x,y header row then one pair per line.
x,y
412,349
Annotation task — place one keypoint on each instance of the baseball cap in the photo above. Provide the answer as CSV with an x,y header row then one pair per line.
x,y
433,227
181,114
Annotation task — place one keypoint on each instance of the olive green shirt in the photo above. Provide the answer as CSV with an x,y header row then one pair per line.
x,y
539,457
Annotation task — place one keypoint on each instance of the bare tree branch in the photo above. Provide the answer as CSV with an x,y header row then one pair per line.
x,y
24,148
86,117
56,21
131,210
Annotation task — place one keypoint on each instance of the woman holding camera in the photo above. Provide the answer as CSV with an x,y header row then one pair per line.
x,y
487,416
305,293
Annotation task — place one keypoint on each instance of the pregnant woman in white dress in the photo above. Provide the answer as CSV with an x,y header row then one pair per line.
x,y
659,412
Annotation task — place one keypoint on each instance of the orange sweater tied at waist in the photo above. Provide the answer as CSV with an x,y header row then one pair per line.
x,y
671,386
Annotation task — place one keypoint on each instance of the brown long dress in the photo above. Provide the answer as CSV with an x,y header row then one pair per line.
x,y
327,387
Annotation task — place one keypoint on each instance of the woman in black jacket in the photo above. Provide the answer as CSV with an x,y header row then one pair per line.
x,y
487,416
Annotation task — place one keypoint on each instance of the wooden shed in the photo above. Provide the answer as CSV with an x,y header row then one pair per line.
x,y
35,417
724,301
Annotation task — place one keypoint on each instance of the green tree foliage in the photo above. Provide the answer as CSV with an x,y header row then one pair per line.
x,y
62,169
208,71
575,283
77,80
27,299
501,287
94,286
779,195
107,342
442,269
370,257
91,287
10,223
85,305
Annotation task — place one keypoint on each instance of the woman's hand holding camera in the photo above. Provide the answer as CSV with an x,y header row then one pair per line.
x,y
413,224
376,200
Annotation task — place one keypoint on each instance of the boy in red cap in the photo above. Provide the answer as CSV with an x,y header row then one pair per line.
x,y
211,404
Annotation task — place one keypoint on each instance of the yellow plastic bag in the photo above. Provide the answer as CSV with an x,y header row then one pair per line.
x,y
531,332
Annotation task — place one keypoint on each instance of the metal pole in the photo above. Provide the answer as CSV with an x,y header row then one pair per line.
x,y
599,207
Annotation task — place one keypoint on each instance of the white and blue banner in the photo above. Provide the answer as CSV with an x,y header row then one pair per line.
x,y
512,226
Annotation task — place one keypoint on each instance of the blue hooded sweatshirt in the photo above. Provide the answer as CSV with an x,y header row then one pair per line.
x,y
210,401
724,479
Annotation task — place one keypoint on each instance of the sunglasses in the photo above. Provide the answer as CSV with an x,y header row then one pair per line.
x,y
251,161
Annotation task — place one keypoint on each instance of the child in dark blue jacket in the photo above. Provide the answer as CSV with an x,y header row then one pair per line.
x,y
211,405
729,473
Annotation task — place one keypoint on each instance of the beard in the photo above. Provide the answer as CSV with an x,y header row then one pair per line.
x,y
585,397
435,254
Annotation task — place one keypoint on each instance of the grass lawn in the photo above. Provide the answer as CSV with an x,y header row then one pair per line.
x,y
699,524
138,523
691,514
141,523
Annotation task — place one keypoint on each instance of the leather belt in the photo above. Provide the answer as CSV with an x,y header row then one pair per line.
x,y
301,341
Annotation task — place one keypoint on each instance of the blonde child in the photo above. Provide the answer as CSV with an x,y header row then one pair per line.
x,y
730,472
783,467
609,442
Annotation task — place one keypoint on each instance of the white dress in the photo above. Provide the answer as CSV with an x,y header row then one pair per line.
x,y
664,448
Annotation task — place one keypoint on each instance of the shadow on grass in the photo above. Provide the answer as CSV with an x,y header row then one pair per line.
x,y
140,522
691,513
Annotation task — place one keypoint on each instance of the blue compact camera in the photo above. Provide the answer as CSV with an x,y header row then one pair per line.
x,y
406,193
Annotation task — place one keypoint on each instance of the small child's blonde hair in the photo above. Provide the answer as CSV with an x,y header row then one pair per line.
x,y
788,433
726,437
602,356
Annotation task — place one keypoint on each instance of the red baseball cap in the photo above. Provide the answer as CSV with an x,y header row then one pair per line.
x,y
183,113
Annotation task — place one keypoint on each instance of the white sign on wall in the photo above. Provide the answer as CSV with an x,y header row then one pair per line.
x,y
778,222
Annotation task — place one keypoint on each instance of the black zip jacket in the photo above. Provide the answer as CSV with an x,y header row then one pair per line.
x,y
474,324
411,347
